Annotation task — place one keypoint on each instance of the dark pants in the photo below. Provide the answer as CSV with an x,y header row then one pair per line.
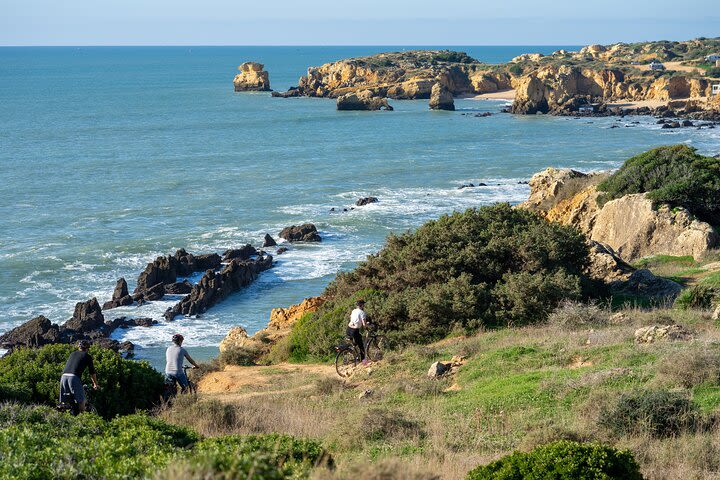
x,y
354,334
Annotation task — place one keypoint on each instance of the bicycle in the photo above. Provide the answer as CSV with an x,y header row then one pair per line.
x,y
170,387
348,355
68,403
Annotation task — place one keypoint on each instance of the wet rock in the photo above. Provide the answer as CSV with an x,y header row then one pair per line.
x,y
671,125
242,253
281,250
156,292
178,288
87,317
291,92
687,123
120,296
365,201
143,322
268,241
215,286
466,185
35,333
302,233
166,269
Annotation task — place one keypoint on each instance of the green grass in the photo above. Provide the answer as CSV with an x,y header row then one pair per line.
x,y
711,280
650,262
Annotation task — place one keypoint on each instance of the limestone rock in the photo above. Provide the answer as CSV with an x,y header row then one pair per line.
x,y
606,265
716,313
237,337
301,233
362,100
441,98
438,369
252,77
665,332
282,318
635,229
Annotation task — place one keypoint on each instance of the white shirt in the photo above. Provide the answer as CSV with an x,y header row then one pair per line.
x,y
357,318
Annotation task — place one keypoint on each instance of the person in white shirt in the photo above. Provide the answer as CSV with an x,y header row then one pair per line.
x,y
358,319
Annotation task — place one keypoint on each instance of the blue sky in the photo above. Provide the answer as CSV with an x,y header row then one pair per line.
x,y
367,22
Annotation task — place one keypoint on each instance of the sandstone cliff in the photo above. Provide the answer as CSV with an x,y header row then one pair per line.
x,y
252,77
630,225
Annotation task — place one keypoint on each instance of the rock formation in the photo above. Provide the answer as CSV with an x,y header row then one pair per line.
x,y
243,253
165,270
35,333
361,202
661,332
631,226
441,98
302,233
279,326
87,317
268,241
120,296
362,100
215,286
252,77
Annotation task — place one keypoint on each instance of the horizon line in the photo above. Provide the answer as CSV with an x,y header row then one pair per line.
x,y
298,45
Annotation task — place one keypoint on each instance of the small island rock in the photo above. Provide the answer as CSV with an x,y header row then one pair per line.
x,y
252,77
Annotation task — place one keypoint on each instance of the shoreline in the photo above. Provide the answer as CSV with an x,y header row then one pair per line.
x,y
508,94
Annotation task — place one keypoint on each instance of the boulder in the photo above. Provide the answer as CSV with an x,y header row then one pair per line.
x,y
606,265
441,98
301,233
362,100
120,296
268,241
252,77
661,332
242,253
34,333
366,200
237,337
87,317
642,282
635,229
438,369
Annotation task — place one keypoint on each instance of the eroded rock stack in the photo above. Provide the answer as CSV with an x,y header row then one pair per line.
x,y
215,286
441,98
362,100
252,77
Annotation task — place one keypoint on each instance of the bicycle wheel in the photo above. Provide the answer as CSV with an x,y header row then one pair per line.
x,y
345,362
375,348
90,408
191,388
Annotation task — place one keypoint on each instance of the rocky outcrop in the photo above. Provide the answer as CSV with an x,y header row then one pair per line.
x,y
87,317
662,332
165,270
244,253
362,100
606,265
252,77
279,326
441,98
361,202
631,226
215,286
635,229
120,297
301,233
178,288
643,283
268,241
35,333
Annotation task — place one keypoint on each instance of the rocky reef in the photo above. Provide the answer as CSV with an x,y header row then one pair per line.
x,y
362,100
631,225
306,232
252,77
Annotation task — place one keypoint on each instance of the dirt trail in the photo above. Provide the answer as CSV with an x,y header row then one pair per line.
x,y
236,382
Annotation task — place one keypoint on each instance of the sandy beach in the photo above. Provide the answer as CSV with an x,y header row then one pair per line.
x,y
499,95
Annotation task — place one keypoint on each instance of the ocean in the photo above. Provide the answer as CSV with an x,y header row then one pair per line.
x,y
112,156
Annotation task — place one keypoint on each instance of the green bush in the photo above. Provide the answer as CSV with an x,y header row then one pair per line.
x,y
125,385
489,266
660,413
562,460
40,443
713,72
675,175
697,296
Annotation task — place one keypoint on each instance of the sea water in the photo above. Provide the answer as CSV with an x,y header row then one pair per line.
x,y
112,156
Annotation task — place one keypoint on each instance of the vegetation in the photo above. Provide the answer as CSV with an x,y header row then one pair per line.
x,y
33,375
486,267
562,460
675,175
39,443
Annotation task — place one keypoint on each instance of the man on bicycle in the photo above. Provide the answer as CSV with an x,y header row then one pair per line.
x,y
358,319
174,356
71,379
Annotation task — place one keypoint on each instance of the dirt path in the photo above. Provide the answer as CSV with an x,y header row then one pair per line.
x,y
235,382
675,66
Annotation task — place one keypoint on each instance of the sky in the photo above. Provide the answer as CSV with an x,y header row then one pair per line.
x,y
364,22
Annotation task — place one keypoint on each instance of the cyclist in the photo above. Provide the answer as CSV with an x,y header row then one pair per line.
x,y
71,380
174,356
358,319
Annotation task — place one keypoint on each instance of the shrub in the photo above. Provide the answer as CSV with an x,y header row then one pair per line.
x,y
691,366
380,424
125,385
675,175
242,356
697,296
578,315
659,413
488,266
562,460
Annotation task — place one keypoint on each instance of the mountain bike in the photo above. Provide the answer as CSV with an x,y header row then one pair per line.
x,y
348,355
171,384
69,404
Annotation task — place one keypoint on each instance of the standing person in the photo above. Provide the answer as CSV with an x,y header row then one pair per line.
x,y
71,379
174,356
358,319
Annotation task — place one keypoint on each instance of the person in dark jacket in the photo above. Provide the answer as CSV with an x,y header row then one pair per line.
x,y
71,380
